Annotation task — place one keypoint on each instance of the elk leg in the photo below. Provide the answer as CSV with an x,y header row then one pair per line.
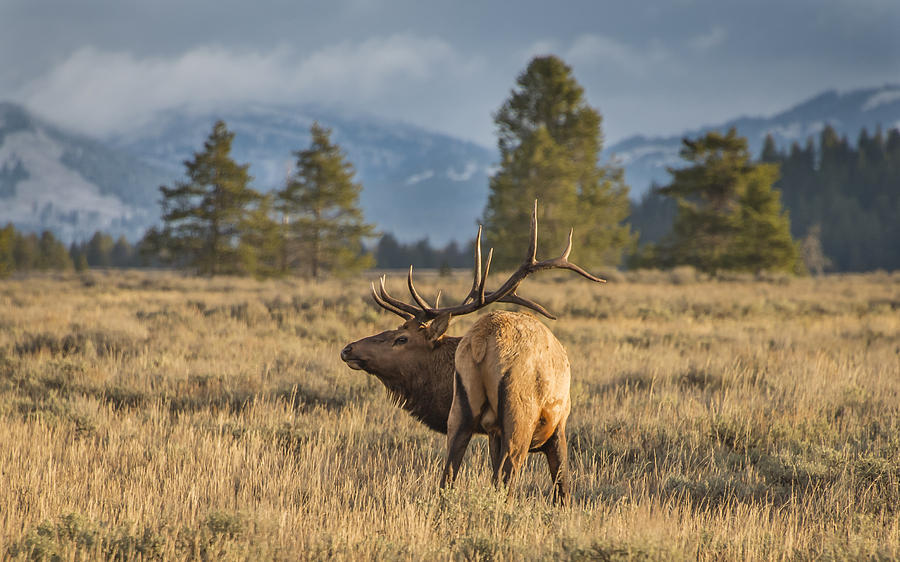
x,y
457,442
495,446
515,436
460,427
512,458
557,459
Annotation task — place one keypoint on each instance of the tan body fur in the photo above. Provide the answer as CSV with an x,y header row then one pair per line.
x,y
513,384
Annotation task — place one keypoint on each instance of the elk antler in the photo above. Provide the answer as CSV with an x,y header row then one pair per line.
x,y
478,297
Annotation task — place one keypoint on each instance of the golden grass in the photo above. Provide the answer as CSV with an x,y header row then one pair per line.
x,y
147,415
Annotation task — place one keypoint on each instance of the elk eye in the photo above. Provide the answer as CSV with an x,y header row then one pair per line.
x,y
400,341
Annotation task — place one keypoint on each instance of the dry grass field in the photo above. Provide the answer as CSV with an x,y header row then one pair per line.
x,y
153,416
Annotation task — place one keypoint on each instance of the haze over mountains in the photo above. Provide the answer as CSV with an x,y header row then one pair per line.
x,y
416,183
70,184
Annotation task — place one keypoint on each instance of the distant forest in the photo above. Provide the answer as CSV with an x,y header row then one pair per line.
x,y
848,196
391,254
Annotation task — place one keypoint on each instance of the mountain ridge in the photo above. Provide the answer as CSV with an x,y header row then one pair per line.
x,y
646,158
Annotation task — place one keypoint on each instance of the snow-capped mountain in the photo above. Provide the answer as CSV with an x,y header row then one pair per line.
x,y
645,159
73,185
415,183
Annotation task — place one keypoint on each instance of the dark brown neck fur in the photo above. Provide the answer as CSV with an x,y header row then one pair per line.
x,y
426,391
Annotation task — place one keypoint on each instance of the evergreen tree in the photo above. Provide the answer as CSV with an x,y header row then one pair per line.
x,y
550,141
323,226
122,253
152,249
52,254
99,250
261,242
7,255
728,215
25,251
770,151
389,254
81,263
762,238
653,215
203,217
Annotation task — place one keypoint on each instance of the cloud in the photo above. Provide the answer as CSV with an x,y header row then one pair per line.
x,y
105,92
467,173
706,41
416,178
595,49
539,48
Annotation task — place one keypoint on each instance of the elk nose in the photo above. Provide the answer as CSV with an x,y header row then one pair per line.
x,y
345,353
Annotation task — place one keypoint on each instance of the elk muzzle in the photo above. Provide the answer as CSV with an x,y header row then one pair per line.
x,y
350,359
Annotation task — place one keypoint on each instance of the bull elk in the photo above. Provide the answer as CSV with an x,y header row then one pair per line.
x,y
508,377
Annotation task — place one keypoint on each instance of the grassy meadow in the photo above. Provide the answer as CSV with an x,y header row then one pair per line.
x,y
146,415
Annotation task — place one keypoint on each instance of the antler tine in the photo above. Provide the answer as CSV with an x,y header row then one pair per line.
x,y
562,262
437,299
532,245
477,278
565,254
387,306
423,304
487,268
527,303
396,303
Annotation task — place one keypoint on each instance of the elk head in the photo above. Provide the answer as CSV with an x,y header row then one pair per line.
x,y
391,351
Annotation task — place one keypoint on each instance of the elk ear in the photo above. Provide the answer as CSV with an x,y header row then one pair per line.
x,y
438,326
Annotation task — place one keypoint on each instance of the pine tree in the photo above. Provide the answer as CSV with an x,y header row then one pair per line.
x,y
769,152
728,217
323,226
762,238
260,247
7,255
52,254
389,254
25,251
203,216
550,141
99,250
122,254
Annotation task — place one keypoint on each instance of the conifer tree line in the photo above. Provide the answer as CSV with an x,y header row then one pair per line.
x,y
824,205
843,202
846,196
21,251
392,254
728,215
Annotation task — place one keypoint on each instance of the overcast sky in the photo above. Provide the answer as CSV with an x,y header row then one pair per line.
x,y
650,67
